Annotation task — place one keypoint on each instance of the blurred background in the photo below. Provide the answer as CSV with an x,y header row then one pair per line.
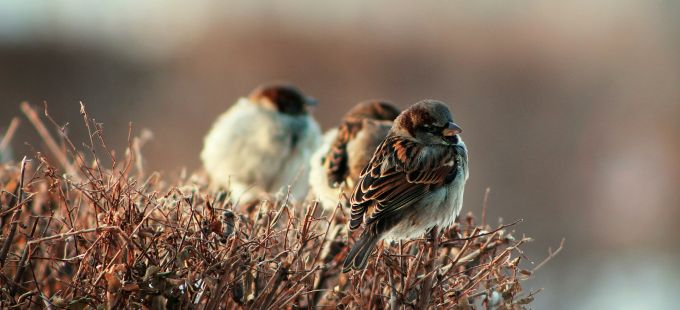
x,y
571,109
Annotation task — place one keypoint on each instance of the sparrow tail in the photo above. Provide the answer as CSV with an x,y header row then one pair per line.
x,y
357,259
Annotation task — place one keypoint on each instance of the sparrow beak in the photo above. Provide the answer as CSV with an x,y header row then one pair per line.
x,y
311,101
451,130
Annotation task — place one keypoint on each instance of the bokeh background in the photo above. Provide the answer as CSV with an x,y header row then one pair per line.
x,y
571,109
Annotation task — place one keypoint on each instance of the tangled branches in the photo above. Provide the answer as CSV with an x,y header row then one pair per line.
x,y
78,235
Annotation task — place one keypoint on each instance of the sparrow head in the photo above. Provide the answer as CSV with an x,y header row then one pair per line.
x,y
373,109
282,97
428,121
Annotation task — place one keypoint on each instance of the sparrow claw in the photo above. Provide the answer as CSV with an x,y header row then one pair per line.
x,y
432,234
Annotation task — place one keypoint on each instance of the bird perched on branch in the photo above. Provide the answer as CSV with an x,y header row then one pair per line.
x,y
263,143
414,181
336,165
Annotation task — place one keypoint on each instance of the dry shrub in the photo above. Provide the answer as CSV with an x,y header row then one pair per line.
x,y
77,235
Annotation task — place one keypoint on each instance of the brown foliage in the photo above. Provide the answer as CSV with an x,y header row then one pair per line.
x,y
78,235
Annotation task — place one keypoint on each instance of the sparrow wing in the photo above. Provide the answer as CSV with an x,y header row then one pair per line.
x,y
337,162
398,175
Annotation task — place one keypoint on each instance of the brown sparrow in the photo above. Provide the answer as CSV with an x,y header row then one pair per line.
x,y
414,181
263,143
336,165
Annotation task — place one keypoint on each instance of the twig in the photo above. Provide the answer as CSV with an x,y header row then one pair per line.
x,y
485,205
431,269
22,262
33,117
394,301
15,217
452,241
13,125
73,233
551,255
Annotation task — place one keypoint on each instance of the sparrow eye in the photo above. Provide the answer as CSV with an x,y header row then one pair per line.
x,y
430,129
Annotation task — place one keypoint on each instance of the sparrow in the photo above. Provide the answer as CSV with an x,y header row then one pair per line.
x,y
414,181
262,144
336,165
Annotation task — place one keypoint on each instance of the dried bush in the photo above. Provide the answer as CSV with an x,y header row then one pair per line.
x,y
77,235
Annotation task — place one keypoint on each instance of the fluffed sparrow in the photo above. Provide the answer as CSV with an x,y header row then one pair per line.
x,y
414,181
263,143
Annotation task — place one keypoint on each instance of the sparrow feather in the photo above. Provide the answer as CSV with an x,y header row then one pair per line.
x,y
398,175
